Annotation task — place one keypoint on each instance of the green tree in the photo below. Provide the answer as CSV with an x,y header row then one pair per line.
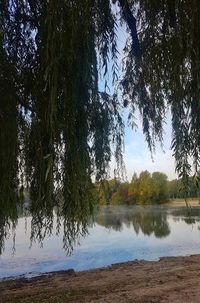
x,y
133,190
174,189
120,196
160,187
105,189
145,187
57,127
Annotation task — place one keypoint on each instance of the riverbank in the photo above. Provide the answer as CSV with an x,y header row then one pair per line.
x,y
182,202
172,279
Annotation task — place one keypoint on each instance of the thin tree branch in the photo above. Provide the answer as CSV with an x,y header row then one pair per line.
x,y
131,21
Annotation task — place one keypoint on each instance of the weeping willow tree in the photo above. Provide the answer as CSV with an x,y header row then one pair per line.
x,y
58,129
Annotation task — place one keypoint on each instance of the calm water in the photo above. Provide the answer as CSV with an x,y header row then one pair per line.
x,y
120,233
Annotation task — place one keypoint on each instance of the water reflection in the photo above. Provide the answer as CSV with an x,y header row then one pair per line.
x,y
115,234
186,212
43,225
147,220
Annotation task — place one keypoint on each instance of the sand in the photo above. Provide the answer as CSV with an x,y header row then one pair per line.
x,y
181,202
172,279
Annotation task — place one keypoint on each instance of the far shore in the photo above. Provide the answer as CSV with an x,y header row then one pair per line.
x,y
182,202
171,202
169,280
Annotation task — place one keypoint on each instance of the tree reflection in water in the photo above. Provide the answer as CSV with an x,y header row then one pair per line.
x,y
148,220
43,223
188,214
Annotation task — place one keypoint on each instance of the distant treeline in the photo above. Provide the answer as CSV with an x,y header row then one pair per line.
x,y
144,189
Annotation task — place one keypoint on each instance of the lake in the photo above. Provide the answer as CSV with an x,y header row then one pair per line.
x,y
118,234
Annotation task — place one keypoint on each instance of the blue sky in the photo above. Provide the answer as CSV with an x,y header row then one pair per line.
x,y
137,156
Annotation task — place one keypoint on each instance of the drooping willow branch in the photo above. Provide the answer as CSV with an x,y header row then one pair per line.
x,y
131,22
57,131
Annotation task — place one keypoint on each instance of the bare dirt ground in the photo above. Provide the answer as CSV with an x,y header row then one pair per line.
x,y
172,279
181,202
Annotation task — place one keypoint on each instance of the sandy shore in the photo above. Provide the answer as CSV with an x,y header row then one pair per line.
x,y
172,279
181,202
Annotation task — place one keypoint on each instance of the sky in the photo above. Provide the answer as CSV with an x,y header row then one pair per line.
x,y
137,156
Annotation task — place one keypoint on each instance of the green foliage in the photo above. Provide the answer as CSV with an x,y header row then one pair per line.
x,y
175,188
148,221
57,129
160,186
145,189
166,76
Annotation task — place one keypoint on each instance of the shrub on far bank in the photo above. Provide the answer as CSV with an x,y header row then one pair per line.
x,y
146,188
